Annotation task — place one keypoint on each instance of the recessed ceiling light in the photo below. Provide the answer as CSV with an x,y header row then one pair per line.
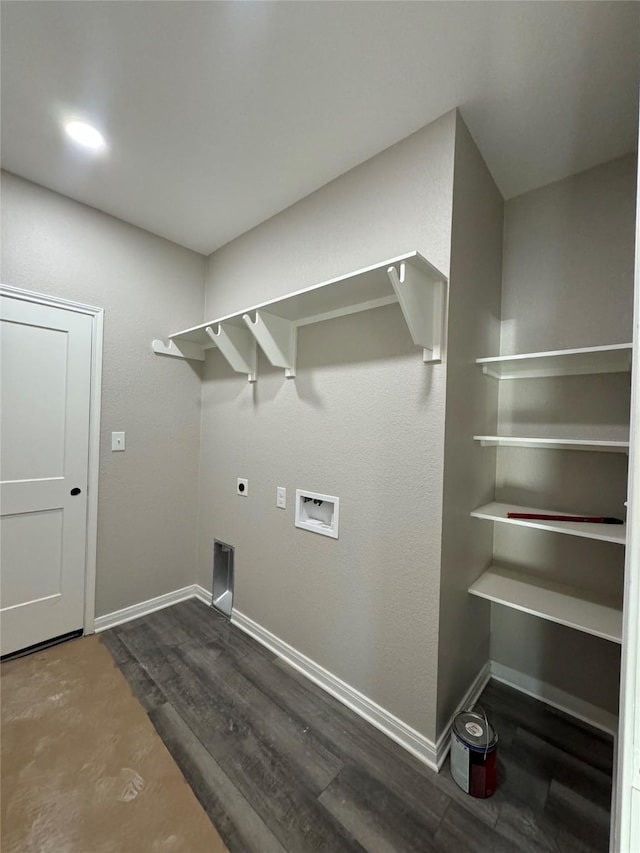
x,y
84,134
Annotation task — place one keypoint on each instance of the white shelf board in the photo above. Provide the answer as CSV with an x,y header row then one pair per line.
x,y
616,533
569,362
555,602
361,290
602,445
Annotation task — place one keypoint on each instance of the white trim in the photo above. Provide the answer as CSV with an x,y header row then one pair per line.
x,y
417,744
431,754
467,702
625,819
414,742
202,594
556,698
51,301
119,617
93,470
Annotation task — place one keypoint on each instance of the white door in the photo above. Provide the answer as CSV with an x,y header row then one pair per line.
x,y
45,383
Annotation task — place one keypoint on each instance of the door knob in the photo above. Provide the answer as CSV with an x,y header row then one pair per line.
x,y
75,491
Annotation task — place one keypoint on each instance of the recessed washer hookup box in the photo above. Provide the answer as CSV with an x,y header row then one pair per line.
x,y
317,513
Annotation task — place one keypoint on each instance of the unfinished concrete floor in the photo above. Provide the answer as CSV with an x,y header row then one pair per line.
x,y
82,767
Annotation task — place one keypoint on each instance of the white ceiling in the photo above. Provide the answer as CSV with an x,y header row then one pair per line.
x,y
221,114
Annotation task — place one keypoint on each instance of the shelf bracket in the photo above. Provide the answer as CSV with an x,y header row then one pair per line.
x,y
277,338
422,303
237,346
183,349
488,371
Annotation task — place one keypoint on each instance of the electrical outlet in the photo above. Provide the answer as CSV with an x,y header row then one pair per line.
x,y
242,486
281,497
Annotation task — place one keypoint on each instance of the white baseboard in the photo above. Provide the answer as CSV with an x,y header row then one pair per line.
x,y
468,701
430,753
118,617
414,742
550,695
202,594
417,744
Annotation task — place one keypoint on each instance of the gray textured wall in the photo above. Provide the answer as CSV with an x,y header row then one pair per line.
x,y
363,420
568,282
148,287
471,408
568,262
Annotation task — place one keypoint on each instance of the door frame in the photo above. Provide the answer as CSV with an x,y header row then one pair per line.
x,y
97,331
625,822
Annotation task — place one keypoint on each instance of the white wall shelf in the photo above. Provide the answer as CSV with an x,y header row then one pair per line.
x,y
409,280
569,362
554,602
616,533
604,446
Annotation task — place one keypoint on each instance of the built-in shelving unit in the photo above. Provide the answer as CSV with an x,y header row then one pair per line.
x,y
409,280
605,532
604,446
568,362
565,605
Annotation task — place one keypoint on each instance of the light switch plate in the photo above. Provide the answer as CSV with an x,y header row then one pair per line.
x,y
117,441
281,497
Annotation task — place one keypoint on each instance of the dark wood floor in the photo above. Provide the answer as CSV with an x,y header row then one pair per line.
x,y
279,765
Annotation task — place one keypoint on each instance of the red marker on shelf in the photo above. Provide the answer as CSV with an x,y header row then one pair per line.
x,y
544,516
